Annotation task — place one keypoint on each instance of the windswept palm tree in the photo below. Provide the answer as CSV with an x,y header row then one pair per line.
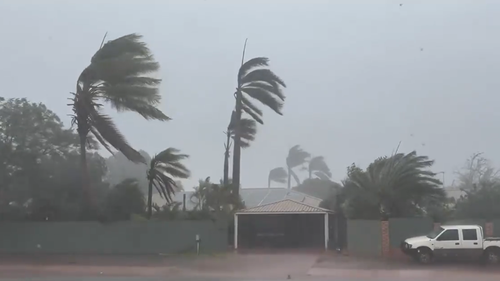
x,y
296,157
198,197
248,132
319,168
119,74
397,186
255,82
162,169
278,175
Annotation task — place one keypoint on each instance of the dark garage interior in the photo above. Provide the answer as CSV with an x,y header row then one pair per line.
x,y
281,231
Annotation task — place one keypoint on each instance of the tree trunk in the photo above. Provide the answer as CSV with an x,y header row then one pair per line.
x,y
295,177
150,199
289,177
226,160
269,183
310,173
237,146
87,192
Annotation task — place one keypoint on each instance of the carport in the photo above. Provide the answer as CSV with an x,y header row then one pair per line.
x,y
283,224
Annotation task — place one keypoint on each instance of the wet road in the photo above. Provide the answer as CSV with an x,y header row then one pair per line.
x,y
251,267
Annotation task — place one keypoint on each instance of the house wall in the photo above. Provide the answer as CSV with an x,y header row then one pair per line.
x,y
167,237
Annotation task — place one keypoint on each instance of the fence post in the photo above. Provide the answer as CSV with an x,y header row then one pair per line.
x,y
488,229
386,244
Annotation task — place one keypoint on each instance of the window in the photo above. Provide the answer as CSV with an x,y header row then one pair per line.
x,y
449,235
469,234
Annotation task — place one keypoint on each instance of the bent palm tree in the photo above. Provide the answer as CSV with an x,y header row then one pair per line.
x,y
162,168
396,186
278,175
296,157
318,166
117,74
248,132
255,81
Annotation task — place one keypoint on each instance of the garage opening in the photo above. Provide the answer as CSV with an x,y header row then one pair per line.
x,y
283,224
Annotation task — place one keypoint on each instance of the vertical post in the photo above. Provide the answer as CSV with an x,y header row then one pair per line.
x,y
184,202
327,231
386,242
235,231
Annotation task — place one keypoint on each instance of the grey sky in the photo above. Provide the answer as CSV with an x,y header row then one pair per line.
x,y
361,75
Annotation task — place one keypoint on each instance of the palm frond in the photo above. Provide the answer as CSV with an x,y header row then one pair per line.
x,y
163,167
106,133
119,74
318,164
248,130
278,175
297,156
251,64
256,81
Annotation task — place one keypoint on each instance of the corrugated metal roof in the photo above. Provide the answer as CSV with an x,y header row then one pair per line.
x,y
253,197
283,207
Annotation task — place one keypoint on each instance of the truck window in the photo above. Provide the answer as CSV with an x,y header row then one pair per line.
x,y
449,235
469,234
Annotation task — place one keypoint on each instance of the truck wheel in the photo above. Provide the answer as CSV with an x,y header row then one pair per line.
x,y
492,256
424,256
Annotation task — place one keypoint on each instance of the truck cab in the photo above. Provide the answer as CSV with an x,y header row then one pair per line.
x,y
458,242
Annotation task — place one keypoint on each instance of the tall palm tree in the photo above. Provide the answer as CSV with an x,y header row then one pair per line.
x,y
248,132
163,167
318,166
401,185
278,175
255,81
296,157
119,74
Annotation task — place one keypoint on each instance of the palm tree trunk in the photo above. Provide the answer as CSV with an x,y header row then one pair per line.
x,y
269,182
237,146
85,174
310,173
150,199
289,178
295,177
226,160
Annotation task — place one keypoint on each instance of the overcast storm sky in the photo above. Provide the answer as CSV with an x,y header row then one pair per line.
x,y
361,75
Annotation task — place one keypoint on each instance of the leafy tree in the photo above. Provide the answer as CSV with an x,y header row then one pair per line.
x,y
117,74
163,167
277,175
217,198
248,131
255,81
398,186
319,188
476,171
123,200
319,168
296,157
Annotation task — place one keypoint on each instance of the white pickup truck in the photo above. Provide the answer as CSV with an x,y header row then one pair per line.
x,y
453,242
